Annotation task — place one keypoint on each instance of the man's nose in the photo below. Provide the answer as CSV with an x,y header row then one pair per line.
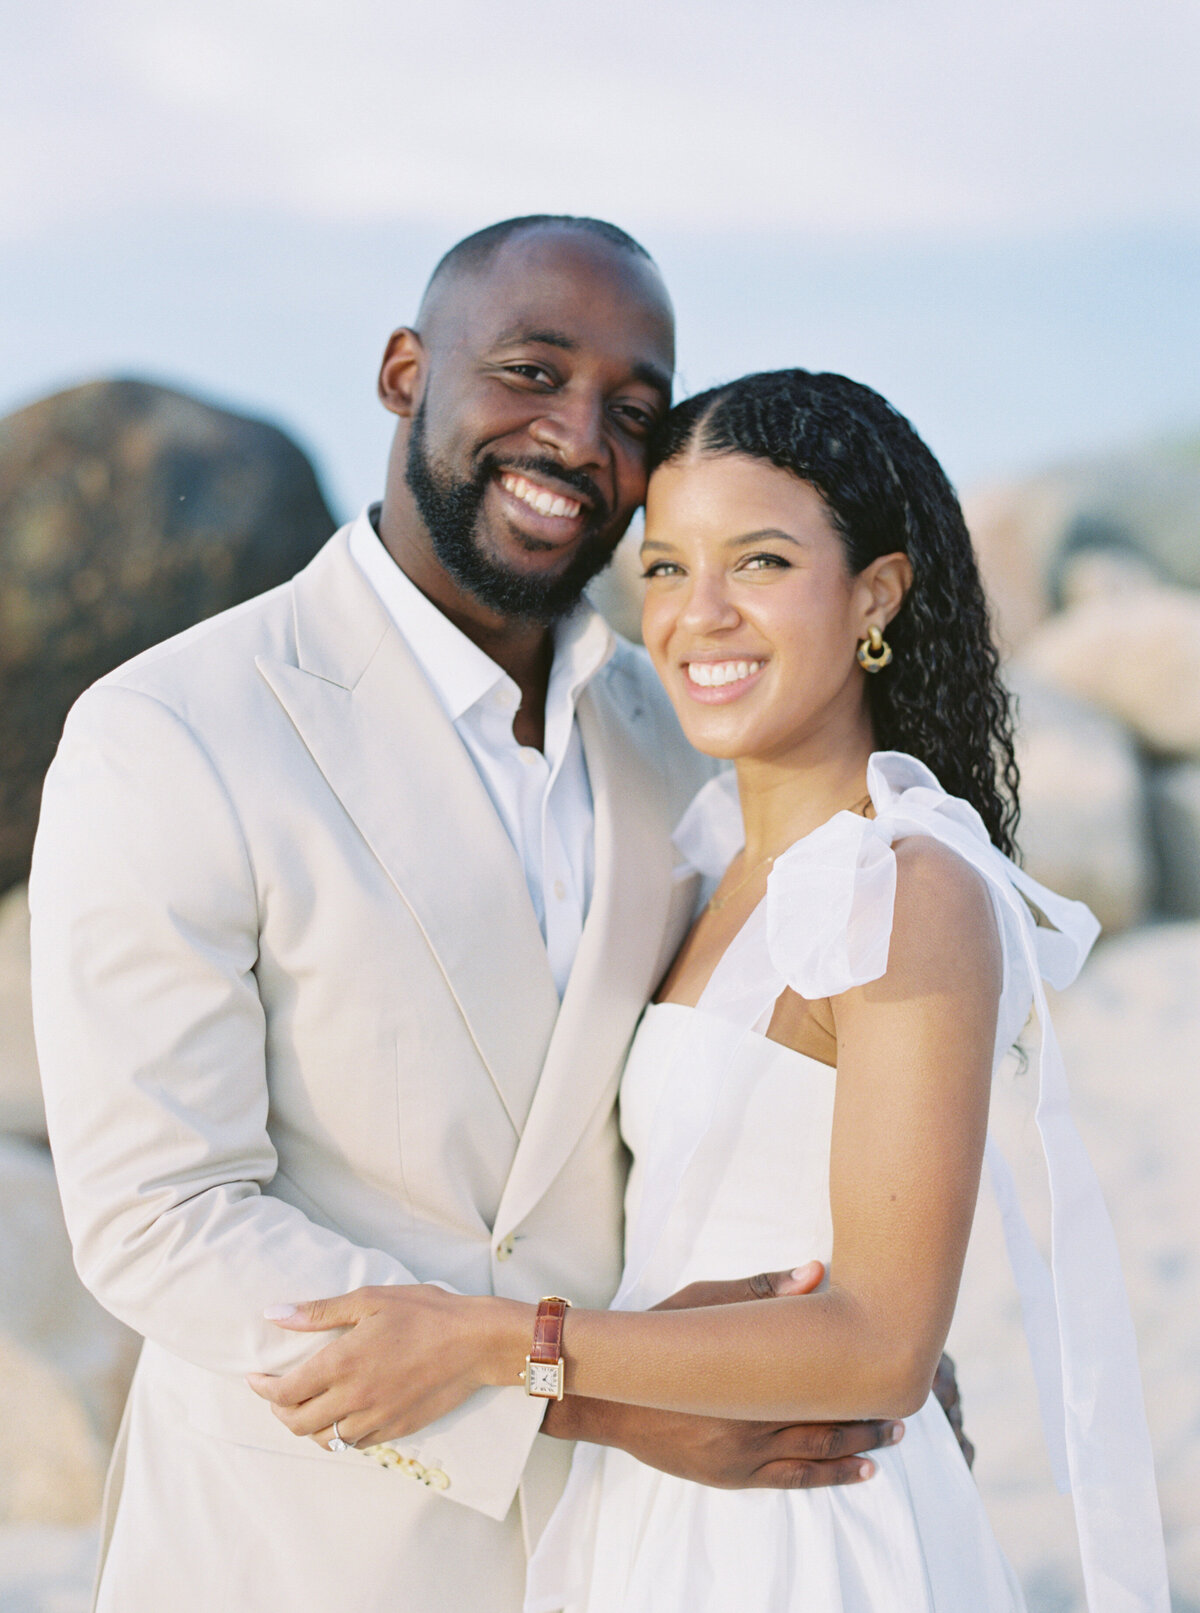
x,y
572,429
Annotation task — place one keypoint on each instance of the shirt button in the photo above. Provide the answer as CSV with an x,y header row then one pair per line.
x,y
505,698
560,890
529,757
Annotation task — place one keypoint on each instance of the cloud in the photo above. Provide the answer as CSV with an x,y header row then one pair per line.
x,y
864,116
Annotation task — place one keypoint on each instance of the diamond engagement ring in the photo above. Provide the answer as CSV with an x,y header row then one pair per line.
x,y
337,1443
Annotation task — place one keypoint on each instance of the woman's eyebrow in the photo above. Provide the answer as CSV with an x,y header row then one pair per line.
x,y
741,539
760,534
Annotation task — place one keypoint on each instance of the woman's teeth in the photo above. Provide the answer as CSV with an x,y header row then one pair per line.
x,y
539,498
712,674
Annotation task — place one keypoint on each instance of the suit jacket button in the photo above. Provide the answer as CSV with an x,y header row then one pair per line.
x,y
504,1248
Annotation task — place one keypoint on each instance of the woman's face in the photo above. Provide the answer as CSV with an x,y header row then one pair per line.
x,y
751,617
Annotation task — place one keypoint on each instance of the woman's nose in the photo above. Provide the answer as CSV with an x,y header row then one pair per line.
x,y
708,607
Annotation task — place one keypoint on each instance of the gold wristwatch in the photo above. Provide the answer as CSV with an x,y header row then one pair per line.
x,y
543,1376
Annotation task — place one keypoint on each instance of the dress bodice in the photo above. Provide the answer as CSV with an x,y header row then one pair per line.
x,y
755,1196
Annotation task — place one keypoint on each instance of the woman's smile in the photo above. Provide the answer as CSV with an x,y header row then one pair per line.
x,y
717,682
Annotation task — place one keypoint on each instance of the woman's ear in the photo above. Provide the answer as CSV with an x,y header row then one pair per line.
x,y
402,373
887,579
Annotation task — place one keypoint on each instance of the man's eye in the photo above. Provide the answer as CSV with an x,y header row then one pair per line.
x,y
635,417
528,372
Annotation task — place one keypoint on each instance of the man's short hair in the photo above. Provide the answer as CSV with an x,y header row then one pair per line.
x,y
473,252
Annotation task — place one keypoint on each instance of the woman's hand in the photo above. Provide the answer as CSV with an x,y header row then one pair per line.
x,y
410,1355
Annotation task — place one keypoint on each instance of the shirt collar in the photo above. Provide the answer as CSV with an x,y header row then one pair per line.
x,y
458,670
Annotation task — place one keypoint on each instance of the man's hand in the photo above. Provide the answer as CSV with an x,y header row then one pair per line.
x,y
736,1291
728,1453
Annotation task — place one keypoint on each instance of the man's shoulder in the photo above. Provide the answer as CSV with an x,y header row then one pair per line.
x,y
226,642
217,659
630,674
654,725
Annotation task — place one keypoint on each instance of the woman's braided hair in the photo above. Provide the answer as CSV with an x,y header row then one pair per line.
x,y
941,699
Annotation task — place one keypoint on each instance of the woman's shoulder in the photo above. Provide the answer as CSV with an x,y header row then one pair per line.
x,y
930,872
943,918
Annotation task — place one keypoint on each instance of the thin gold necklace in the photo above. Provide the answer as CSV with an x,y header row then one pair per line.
x,y
716,903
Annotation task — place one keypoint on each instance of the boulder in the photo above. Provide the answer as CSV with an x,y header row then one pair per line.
x,y
127,512
1083,818
47,1568
1132,652
65,1364
1028,533
617,592
1175,820
1130,1031
1130,1034
21,1108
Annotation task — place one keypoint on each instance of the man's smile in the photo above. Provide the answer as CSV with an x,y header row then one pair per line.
x,y
539,498
545,514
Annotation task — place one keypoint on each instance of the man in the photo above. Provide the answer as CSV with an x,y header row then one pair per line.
x,y
345,906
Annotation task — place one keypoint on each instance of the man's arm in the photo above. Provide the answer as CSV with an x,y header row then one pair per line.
x,y
152,1042
724,1453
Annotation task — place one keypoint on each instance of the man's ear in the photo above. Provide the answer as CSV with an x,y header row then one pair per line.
x,y
402,373
887,579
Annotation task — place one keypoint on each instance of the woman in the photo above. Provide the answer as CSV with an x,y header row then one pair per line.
x,y
813,1080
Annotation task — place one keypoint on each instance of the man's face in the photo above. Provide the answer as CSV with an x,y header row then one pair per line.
x,y
527,452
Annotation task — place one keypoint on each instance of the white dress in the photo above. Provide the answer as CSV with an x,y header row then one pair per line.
x,y
730,1137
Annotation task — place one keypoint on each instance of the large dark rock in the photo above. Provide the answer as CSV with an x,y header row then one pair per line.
x,y
127,512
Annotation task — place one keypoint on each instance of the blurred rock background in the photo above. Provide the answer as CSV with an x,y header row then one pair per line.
x,y
128,511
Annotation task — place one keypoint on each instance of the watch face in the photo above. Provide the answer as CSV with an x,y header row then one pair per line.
x,y
543,1378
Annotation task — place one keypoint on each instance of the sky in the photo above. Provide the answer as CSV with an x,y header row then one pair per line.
x,y
990,213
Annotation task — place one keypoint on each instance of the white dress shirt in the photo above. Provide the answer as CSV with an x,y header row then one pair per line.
x,y
543,797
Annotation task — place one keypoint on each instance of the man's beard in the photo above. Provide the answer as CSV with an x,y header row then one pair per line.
x,y
451,509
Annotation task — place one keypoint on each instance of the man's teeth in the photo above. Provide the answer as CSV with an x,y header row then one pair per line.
x,y
539,499
712,674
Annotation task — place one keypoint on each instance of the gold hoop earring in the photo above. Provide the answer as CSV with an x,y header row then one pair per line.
x,y
874,652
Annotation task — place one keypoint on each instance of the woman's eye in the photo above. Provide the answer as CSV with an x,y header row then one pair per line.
x,y
660,568
765,562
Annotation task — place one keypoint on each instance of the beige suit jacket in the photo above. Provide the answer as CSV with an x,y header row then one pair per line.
x,y
298,1033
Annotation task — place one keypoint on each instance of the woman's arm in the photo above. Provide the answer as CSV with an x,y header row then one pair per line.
x,y
914,1068
910,1116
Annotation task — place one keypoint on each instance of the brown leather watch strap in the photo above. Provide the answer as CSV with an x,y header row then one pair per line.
x,y
548,1330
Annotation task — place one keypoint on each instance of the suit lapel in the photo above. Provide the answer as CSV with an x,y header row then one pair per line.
x,y
385,746
620,950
